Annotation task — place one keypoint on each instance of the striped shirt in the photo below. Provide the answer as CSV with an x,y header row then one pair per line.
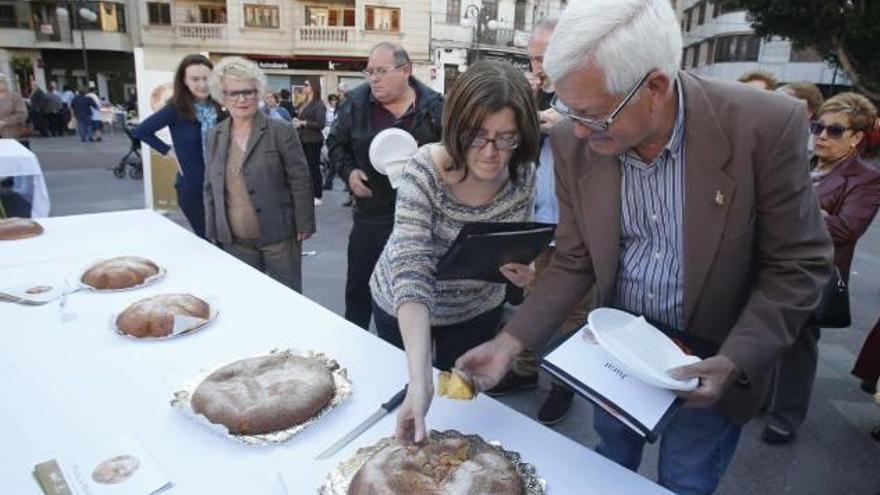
x,y
427,220
649,275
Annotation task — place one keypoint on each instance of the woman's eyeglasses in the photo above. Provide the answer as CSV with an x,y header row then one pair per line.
x,y
243,95
505,143
834,131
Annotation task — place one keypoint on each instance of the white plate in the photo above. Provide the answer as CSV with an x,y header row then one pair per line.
x,y
390,151
645,352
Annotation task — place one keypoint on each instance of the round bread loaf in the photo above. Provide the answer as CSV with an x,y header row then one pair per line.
x,y
154,316
447,466
264,394
12,229
122,272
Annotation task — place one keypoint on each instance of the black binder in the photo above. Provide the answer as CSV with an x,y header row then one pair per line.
x,y
481,248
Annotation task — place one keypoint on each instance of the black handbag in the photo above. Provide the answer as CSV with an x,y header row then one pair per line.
x,y
833,310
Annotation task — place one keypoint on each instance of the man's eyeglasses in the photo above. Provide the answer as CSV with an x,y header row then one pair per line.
x,y
381,71
835,131
244,95
505,143
600,125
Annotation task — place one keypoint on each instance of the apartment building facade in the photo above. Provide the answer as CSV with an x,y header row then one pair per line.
x,y
720,42
44,40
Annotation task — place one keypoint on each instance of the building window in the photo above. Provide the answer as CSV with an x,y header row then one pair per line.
x,y
261,16
212,14
158,14
737,48
688,19
804,55
382,19
7,16
720,7
701,13
695,61
519,15
329,16
453,11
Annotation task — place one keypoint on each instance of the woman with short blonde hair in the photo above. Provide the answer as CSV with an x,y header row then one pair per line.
x,y
258,195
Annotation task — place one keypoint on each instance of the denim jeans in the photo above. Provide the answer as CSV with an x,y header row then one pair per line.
x,y
84,128
695,448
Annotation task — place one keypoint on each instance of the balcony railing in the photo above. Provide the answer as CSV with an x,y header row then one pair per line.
x,y
202,31
324,35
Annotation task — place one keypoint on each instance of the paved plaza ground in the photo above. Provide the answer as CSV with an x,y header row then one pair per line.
x,y
832,453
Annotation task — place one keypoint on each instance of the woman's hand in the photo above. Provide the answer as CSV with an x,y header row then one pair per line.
x,y
411,417
519,275
301,236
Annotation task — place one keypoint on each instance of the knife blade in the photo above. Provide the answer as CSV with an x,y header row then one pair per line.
x,y
383,410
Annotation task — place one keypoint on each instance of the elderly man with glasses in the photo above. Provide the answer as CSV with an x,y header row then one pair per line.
x,y
685,200
392,98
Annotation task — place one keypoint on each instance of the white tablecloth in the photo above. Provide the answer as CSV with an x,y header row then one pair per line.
x,y
68,383
18,161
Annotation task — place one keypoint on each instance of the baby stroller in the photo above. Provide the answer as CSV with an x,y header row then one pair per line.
x,y
132,159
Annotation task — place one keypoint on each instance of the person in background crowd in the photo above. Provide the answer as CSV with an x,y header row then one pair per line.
x,y
96,122
393,98
332,101
849,194
523,374
343,91
679,212
867,367
809,93
759,79
13,113
258,197
67,97
189,116
131,102
82,107
482,171
273,110
310,123
39,110
286,104
54,110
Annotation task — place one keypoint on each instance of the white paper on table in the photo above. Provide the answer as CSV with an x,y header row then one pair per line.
x,y
119,466
600,377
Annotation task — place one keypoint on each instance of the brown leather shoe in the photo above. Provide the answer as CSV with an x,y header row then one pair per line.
x,y
513,383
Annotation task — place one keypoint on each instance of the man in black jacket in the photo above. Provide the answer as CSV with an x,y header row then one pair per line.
x,y
393,98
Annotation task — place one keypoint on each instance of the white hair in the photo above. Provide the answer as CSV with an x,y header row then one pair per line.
x,y
238,68
625,39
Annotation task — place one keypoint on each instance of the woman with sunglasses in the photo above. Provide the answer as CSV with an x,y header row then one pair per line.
x,y
310,123
849,193
189,115
482,171
258,194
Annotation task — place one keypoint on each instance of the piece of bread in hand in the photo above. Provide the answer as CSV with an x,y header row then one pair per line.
x,y
453,385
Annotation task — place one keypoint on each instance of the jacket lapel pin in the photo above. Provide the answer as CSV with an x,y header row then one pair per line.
x,y
719,198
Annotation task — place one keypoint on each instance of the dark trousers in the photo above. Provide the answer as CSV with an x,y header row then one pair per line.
x,y
365,243
867,365
450,341
84,129
313,157
793,382
55,124
192,204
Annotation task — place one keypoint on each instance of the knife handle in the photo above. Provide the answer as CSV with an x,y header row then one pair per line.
x,y
396,400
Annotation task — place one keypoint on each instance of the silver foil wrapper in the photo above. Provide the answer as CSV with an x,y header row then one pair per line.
x,y
339,480
342,385
183,325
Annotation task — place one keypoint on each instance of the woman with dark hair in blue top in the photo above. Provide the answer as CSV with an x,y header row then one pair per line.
x,y
189,115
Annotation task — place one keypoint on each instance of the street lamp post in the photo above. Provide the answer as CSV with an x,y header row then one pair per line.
x,y
473,17
79,10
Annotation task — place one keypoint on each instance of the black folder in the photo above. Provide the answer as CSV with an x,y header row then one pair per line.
x,y
481,248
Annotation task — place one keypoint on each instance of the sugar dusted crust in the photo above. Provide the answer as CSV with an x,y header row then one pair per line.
x,y
264,394
154,316
122,272
448,466
13,229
